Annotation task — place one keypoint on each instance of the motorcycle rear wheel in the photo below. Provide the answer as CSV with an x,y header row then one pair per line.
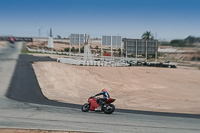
x,y
85,107
109,108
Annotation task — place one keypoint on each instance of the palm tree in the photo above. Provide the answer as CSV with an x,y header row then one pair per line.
x,y
147,35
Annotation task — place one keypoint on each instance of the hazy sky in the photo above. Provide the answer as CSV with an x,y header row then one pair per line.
x,y
170,19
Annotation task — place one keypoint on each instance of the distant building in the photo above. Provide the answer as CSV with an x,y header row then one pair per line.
x,y
139,47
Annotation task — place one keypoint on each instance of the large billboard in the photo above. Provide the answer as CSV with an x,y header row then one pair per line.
x,y
114,40
142,47
106,40
76,39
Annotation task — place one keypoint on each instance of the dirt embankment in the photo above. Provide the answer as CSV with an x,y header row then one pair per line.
x,y
59,46
138,88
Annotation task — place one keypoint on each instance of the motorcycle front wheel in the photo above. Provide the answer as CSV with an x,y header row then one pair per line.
x,y
108,108
85,107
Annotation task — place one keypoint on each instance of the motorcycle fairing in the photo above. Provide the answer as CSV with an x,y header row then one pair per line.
x,y
93,104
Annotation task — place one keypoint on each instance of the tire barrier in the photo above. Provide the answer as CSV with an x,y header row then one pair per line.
x,y
92,63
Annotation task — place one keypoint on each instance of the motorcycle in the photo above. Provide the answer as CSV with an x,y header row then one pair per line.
x,y
92,104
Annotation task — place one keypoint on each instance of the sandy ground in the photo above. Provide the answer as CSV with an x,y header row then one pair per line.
x,y
57,46
31,131
138,88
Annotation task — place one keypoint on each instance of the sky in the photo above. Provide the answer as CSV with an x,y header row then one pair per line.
x,y
166,19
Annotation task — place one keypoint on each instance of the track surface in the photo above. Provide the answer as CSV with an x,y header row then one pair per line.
x,y
22,105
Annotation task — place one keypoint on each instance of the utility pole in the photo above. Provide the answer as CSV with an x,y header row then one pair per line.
x,y
39,32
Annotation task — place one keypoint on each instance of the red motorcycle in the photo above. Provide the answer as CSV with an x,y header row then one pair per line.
x,y
92,104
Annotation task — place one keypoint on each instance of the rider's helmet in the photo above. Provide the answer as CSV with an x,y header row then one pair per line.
x,y
104,90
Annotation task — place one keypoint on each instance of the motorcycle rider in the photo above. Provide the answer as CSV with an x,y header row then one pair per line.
x,y
106,96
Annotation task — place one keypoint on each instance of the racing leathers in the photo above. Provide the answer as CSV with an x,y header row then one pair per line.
x,y
105,97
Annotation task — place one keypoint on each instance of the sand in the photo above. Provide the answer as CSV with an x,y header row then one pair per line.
x,y
137,88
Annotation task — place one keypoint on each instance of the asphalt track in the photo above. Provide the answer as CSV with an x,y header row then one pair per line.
x,y
26,107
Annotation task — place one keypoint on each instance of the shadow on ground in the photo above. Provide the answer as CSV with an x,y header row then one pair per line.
x,y
24,87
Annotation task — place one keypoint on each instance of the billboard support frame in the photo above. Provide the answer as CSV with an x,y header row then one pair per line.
x,y
126,50
79,49
146,51
156,54
101,46
136,50
111,47
113,42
